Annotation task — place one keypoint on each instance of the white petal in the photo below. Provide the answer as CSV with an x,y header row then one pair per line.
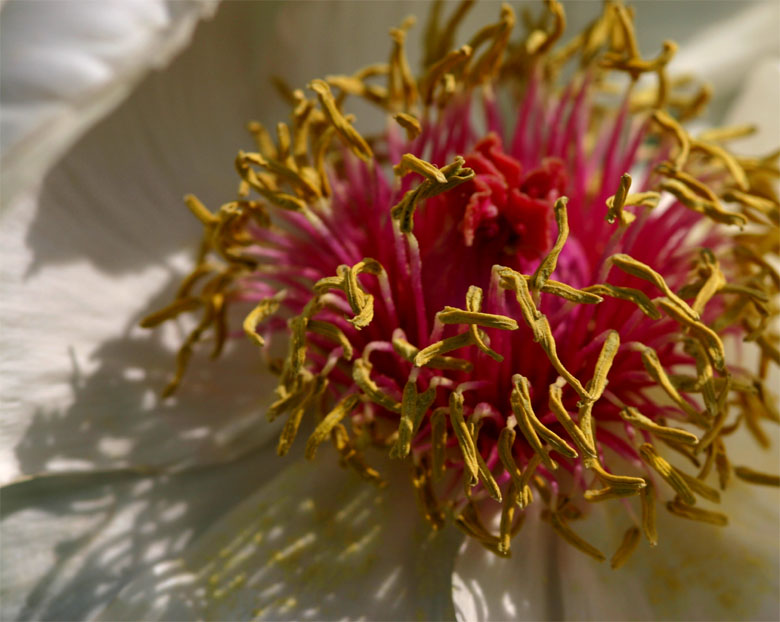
x,y
316,542
724,53
67,63
524,587
758,103
697,571
70,543
80,381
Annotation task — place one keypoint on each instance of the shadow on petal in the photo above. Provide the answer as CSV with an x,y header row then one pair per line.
x,y
72,541
117,420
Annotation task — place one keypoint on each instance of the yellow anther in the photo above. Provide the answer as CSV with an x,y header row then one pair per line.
x,y
406,350
507,527
699,487
178,306
439,441
412,164
669,124
334,333
311,394
571,537
465,441
264,309
413,409
324,427
638,297
616,202
200,211
626,548
434,351
708,338
441,68
697,514
694,201
454,174
676,435
439,42
402,87
723,134
581,440
263,140
756,477
538,323
349,134
640,270
548,264
647,497
361,374
731,164
421,480
506,439
409,123
521,406
669,473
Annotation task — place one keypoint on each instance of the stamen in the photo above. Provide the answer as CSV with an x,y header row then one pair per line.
x,y
559,524
264,309
756,477
324,427
676,435
626,548
647,496
697,514
410,124
413,408
522,408
640,270
548,264
351,137
669,473
439,441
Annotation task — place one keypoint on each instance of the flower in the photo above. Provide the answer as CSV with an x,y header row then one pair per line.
x,y
354,536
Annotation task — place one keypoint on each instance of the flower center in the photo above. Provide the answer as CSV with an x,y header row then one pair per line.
x,y
504,208
499,317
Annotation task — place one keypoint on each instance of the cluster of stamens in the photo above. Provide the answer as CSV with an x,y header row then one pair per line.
x,y
419,305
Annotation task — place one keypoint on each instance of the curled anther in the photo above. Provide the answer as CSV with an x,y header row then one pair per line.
x,y
548,264
349,134
361,374
454,174
410,123
264,309
683,140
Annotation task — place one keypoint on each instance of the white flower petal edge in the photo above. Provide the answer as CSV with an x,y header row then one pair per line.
x,y
697,571
724,53
70,543
313,543
68,63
